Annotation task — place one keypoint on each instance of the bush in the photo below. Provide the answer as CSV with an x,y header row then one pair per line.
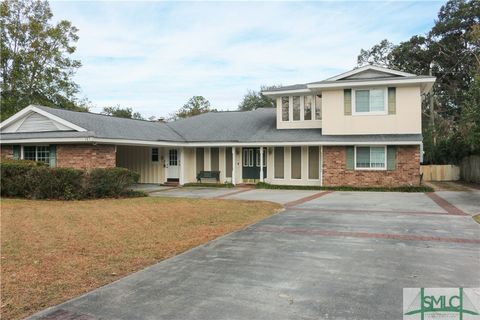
x,y
112,182
422,188
15,177
28,179
57,183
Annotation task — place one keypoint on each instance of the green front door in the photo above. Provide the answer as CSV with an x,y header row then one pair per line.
x,y
251,163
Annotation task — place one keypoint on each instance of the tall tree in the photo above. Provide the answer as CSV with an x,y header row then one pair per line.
x,y
196,105
36,67
122,112
255,99
451,52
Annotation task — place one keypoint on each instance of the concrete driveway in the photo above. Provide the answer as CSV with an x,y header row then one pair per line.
x,y
339,255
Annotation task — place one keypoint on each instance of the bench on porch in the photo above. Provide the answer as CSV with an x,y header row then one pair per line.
x,y
208,175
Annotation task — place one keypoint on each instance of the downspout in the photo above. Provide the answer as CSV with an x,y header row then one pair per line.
x,y
321,166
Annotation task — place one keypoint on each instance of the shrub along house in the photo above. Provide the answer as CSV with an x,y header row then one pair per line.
x,y
360,128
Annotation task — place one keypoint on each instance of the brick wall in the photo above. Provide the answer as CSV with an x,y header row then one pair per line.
x,y
86,156
407,171
6,152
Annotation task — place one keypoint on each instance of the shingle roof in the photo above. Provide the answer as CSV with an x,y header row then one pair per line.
x,y
103,126
260,126
232,126
289,87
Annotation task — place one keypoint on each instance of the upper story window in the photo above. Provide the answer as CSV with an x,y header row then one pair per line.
x,y
285,108
301,108
370,101
318,107
308,106
296,108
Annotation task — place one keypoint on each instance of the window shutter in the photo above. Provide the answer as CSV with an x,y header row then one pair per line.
x,y
392,100
16,152
391,155
347,101
53,156
350,157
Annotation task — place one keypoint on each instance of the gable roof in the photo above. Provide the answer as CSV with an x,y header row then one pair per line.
x,y
100,126
380,70
366,75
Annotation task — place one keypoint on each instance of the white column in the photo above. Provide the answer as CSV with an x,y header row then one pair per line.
x,y
181,179
261,164
234,165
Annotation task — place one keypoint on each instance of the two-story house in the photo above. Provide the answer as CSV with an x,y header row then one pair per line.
x,y
360,128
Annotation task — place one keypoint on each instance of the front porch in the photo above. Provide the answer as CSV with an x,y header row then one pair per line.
x,y
289,165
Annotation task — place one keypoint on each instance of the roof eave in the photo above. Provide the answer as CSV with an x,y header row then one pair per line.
x,y
370,82
281,92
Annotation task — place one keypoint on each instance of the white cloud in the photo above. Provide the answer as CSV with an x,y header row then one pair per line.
x,y
153,56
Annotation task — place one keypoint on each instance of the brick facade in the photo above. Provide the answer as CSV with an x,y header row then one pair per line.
x,y
6,152
407,171
86,156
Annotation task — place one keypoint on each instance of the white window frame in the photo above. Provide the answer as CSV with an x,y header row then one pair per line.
x,y
151,155
22,153
369,169
302,108
370,113
289,108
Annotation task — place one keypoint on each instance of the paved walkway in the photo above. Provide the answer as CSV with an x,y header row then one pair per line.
x,y
339,255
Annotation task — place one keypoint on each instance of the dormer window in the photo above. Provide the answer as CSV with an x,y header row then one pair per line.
x,y
370,101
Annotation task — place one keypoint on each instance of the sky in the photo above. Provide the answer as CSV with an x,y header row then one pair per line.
x,y
153,56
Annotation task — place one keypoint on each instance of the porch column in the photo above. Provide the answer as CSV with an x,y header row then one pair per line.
x,y
181,179
234,165
261,164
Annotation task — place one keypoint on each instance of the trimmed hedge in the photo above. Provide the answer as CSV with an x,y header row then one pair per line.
x,y
28,179
422,188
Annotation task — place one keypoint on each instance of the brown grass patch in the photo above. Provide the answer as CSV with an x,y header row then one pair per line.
x,y
55,250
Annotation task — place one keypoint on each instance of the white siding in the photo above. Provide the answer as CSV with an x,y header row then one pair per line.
x,y
35,122
138,159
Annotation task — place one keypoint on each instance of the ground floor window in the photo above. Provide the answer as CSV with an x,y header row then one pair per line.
x,y
155,155
257,157
296,162
37,153
370,158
